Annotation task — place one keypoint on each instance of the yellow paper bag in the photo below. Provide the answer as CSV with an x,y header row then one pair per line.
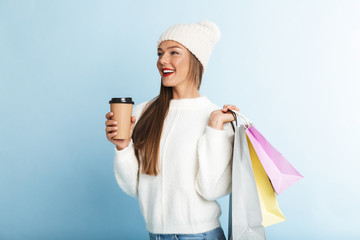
x,y
271,213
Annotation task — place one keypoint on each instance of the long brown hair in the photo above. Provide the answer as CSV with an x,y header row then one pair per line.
x,y
147,131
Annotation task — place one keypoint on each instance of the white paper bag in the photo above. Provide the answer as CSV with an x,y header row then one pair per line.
x,y
245,218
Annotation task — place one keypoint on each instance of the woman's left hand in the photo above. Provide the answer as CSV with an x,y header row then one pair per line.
x,y
219,117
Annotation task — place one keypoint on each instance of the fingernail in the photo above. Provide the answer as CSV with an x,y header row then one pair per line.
x,y
115,122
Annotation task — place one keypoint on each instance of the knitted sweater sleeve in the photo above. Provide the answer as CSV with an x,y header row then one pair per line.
x,y
215,149
125,163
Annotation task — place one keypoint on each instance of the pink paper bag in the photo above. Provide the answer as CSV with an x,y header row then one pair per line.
x,y
280,172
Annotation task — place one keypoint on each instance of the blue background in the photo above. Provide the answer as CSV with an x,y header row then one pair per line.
x,y
292,67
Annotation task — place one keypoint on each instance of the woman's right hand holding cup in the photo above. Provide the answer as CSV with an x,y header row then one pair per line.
x,y
111,131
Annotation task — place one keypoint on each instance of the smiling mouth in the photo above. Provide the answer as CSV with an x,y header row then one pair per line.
x,y
167,74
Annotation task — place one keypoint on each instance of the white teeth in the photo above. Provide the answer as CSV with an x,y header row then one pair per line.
x,y
167,71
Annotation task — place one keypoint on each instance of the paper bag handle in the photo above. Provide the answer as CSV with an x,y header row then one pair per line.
x,y
244,119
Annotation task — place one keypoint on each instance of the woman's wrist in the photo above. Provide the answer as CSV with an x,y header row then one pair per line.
x,y
121,148
216,123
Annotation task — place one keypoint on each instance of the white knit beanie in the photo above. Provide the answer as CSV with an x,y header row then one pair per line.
x,y
198,38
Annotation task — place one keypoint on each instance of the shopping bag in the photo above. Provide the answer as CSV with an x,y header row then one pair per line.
x,y
280,172
245,219
271,213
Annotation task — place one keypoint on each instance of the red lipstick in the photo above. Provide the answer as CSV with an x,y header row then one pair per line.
x,y
167,72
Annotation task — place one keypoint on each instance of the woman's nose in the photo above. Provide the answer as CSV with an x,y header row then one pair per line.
x,y
163,60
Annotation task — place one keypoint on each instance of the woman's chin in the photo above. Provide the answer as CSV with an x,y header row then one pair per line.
x,y
167,82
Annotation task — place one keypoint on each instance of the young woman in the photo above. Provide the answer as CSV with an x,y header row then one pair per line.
x,y
177,161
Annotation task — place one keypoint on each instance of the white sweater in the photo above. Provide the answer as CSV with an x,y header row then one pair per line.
x,y
195,170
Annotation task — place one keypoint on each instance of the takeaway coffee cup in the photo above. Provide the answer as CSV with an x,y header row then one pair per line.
x,y
122,109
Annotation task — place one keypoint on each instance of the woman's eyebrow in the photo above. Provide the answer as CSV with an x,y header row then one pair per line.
x,y
169,47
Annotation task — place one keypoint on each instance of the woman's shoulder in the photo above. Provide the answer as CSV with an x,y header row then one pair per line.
x,y
212,105
138,108
141,105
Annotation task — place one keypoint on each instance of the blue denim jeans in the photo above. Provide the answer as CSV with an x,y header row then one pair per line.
x,y
215,234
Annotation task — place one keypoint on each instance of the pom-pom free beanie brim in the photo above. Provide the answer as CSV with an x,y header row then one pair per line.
x,y
199,38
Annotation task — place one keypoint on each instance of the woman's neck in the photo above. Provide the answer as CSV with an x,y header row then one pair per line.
x,y
185,93
189,103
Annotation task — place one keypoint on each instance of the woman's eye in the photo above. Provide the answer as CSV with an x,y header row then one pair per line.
x,y
159,54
